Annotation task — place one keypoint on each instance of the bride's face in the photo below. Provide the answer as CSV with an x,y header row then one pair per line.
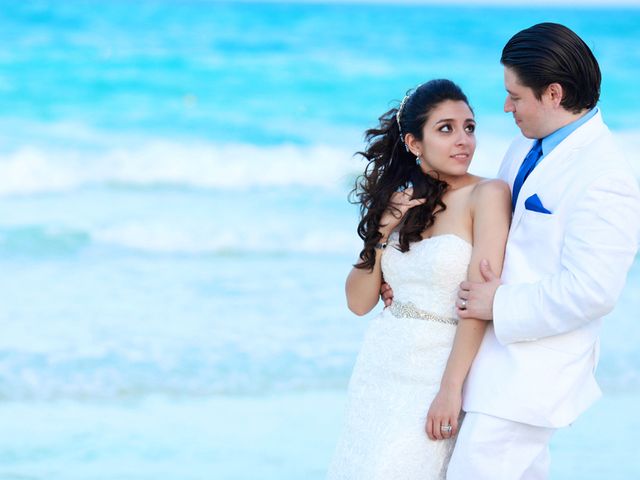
x,y
448,140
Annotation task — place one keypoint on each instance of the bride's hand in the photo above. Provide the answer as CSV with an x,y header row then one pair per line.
x,y
444,410
399,204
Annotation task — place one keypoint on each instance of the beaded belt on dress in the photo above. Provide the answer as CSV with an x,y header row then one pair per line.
x,y
409,310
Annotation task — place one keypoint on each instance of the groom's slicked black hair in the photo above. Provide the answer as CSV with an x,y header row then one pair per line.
x,y
552,53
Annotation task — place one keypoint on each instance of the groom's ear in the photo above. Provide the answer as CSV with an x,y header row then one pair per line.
x,y
553,94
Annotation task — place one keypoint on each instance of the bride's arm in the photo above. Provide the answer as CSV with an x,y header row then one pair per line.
x,y
491,213
363,285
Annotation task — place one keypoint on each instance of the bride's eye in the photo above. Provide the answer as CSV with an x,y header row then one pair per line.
x,y
445,128
470,128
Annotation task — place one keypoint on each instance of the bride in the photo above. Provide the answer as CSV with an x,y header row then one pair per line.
x,y
426,224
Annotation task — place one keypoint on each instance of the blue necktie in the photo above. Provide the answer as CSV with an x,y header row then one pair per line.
x,y
529,163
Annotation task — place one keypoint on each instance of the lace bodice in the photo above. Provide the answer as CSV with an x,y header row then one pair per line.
x,y
429,274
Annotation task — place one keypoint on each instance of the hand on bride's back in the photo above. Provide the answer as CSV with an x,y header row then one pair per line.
x,y
386,293
399,204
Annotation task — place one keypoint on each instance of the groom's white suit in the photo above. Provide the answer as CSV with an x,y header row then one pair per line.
x,y
562,273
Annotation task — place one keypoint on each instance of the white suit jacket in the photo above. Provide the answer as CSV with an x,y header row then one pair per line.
x,y
562,272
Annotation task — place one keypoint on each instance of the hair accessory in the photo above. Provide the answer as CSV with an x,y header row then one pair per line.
x,y
399,113
401,107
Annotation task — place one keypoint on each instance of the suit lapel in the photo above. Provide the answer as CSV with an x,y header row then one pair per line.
x,y
548,164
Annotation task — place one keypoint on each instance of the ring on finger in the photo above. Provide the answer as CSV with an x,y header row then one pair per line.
x,y
446,428
463,304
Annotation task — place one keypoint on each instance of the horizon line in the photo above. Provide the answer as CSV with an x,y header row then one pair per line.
x,y
479,3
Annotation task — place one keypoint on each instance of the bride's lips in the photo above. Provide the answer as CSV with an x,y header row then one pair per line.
x,y
462,156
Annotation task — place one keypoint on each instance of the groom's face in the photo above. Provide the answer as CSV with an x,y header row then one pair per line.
x,y
530,113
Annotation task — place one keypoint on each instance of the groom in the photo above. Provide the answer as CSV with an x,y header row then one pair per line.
x,y
573,237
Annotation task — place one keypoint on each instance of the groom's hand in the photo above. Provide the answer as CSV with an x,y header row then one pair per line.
x,y
475,300
386,294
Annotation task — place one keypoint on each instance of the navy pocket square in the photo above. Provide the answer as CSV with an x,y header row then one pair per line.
x,y
534,204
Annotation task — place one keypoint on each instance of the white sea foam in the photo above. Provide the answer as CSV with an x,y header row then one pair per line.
x,y
164,238
171,239
35,169
126,371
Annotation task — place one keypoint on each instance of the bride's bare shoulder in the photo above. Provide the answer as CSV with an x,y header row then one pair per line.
x,y
491,192
491,187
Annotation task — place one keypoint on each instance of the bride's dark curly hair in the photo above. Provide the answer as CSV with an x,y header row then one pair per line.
x,y
392,166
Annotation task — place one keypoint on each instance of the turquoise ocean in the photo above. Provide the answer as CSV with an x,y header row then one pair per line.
x,y
175,231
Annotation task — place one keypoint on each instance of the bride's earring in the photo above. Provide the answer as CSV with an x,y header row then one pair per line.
x,y
418,160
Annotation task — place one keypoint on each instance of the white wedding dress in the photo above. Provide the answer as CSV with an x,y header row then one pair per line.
x,y
398,370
